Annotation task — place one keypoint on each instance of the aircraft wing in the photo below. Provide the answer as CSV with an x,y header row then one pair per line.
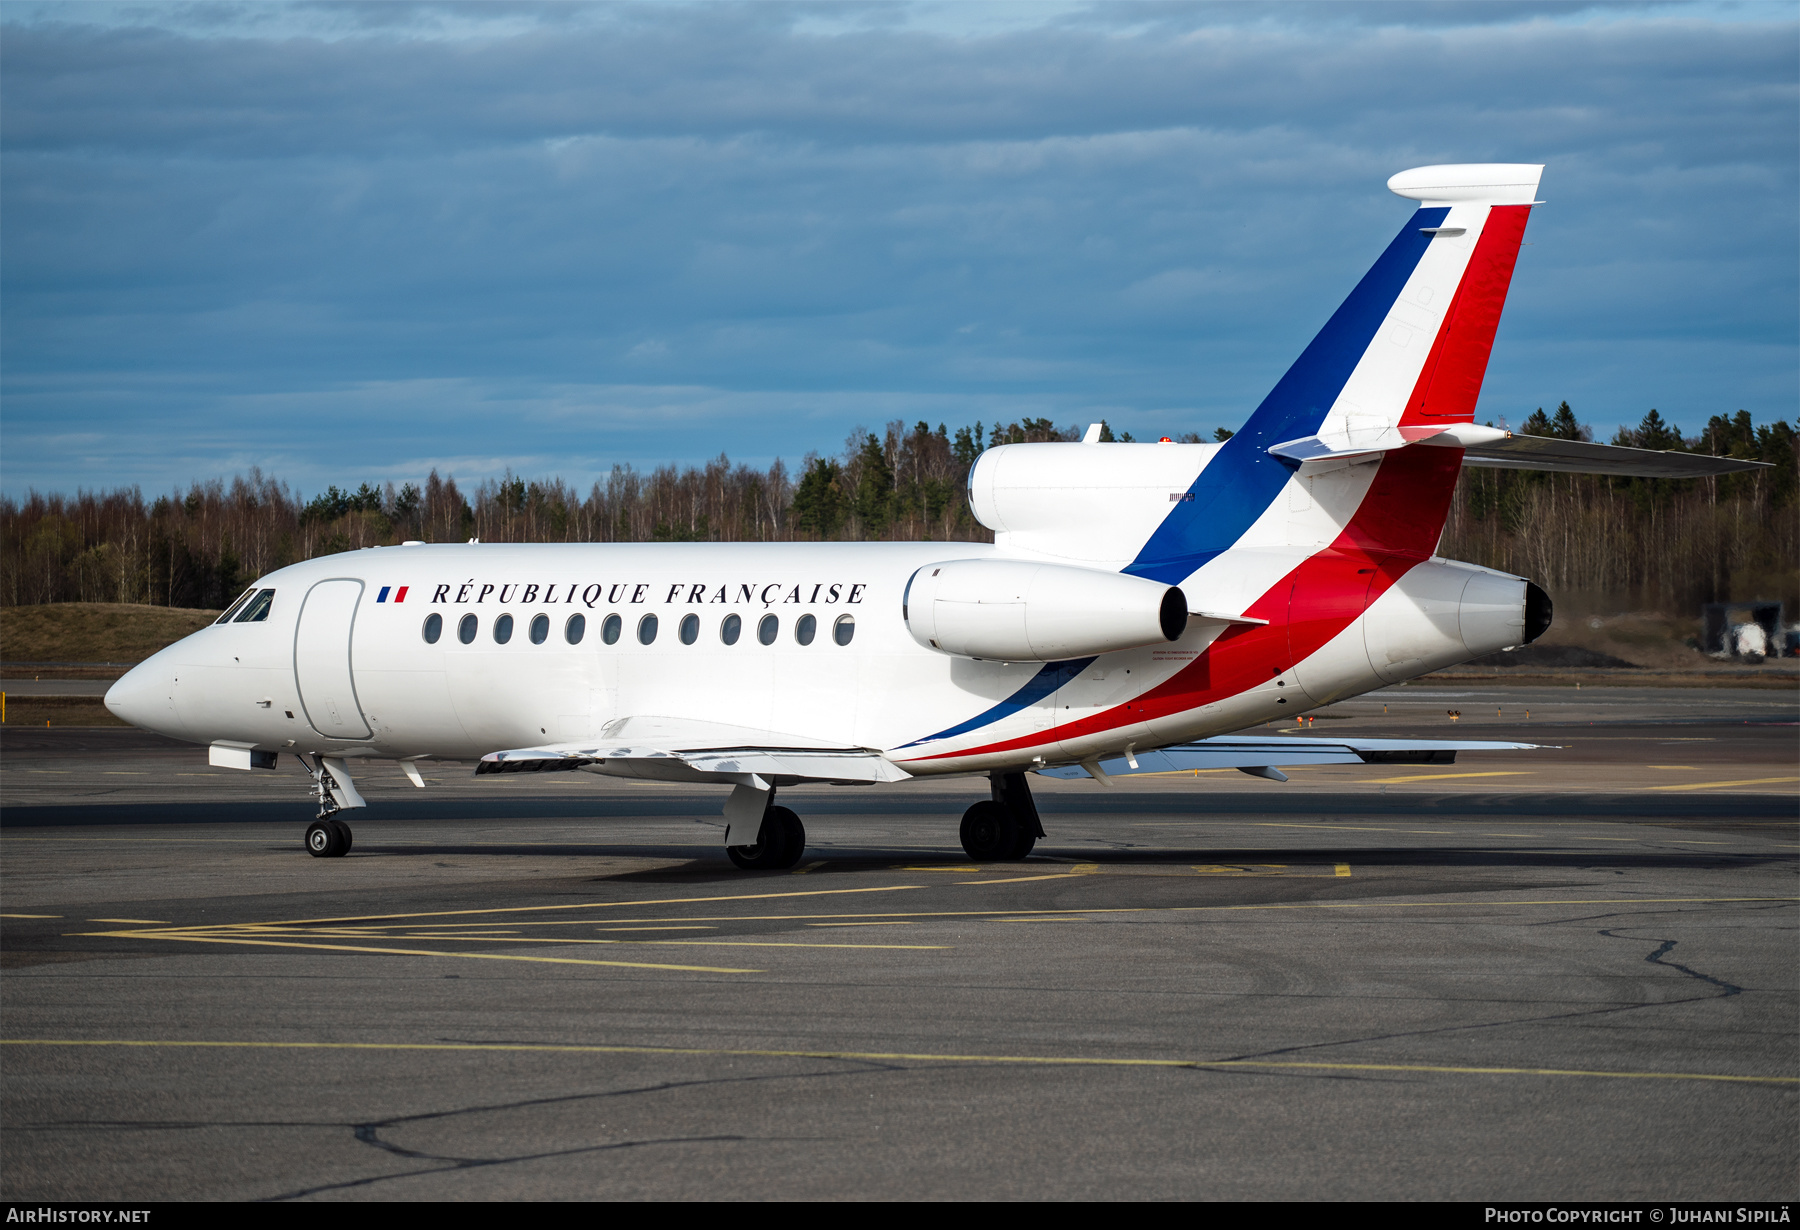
x,y
1263,757
677,749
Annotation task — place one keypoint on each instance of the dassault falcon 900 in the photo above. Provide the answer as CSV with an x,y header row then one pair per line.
x,y
1139,604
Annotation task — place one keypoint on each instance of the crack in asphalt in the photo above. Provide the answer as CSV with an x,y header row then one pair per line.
x,y
1655,958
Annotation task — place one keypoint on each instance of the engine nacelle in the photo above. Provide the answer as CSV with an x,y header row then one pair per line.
x,y
1018,611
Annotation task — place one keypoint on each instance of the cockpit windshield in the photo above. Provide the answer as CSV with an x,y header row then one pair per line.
x,y
233,608
257,609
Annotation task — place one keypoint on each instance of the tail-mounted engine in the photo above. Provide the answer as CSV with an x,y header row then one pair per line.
x,y
1017,611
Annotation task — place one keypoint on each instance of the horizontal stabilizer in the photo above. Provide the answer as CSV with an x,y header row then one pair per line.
x,y
1516,452
1237,752
1492,448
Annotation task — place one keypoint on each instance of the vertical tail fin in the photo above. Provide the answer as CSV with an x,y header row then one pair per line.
x,y
1403,356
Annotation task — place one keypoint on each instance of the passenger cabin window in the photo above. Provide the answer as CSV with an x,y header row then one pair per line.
x,y
575,629
767,630
257,609
503,630
434,628
646,629
540,629
233,608
806,629
690,629
844,629
465,631
609,631
731,629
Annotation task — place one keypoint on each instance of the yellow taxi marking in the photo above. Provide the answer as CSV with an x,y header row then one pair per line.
x,y
190,937
810,867
30,915
147,922
1240,869
900,1056
1669,766
1343,869
678,927
1349,828
1434,777
585,905
889,923
260,929
1749,781
1055,875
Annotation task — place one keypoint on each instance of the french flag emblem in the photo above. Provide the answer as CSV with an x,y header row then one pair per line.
x,y
399,594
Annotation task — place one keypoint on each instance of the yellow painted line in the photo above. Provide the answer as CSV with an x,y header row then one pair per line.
x,y
1433,777
1670,766
886,923
1074,911
678,927
1751,781
189,937
1058,875
30,915
224,935
1347,828
1343,869
1072,1061
586,905
147,922
810,867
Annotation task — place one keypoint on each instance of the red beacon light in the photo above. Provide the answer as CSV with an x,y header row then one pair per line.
x,y
1165,440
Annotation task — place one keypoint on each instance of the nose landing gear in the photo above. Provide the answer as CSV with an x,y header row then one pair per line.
x,y
329,837
1006,827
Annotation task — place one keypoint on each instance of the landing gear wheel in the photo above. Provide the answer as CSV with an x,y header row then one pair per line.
x,y
1027,838
989,832
327,838
779,843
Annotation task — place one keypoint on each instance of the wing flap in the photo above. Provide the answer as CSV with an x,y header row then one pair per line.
x,y
672,749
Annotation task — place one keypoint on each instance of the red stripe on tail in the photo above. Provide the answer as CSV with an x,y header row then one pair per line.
x,y
1450,381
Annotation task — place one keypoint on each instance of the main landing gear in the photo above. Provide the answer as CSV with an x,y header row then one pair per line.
x,y
779,843
1005,827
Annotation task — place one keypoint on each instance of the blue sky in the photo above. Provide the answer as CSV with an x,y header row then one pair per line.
x,y
351,242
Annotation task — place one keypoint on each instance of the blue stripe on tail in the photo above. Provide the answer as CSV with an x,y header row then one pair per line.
x,y
1242,480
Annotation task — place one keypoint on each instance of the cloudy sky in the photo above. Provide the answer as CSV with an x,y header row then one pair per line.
x,y
351,242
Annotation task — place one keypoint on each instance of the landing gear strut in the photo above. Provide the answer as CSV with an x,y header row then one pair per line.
x,y
1005,827
779,843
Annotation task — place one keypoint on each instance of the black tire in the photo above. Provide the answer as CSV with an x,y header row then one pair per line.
x,y
1025,840
989,832
322,840
779,843
345,837
791,839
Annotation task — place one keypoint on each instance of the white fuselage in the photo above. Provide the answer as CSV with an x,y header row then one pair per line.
x,y
360,678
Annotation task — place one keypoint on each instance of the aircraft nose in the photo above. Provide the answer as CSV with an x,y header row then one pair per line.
x,y
141,697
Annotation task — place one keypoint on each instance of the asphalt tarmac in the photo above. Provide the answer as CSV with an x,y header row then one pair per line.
x,y
1559,974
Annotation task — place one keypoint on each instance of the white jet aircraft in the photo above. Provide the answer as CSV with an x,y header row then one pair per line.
x,y
1140,602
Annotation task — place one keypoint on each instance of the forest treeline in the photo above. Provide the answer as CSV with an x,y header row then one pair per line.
x,y
1655,543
